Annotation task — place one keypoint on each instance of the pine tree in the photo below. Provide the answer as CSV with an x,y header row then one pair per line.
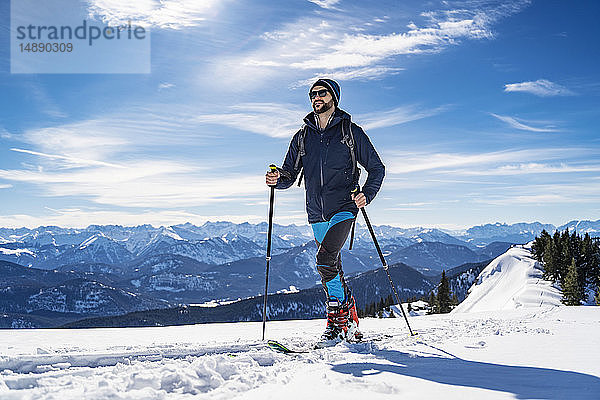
x,y
389,301
550,260
597,298
572,292
432,304
565,256
443,297
539,245
381,304
454,301
372,310
586,261
591,255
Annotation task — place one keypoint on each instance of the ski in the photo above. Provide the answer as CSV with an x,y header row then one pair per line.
x,y
280,348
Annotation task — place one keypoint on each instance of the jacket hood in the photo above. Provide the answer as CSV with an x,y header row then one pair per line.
x,y
338,116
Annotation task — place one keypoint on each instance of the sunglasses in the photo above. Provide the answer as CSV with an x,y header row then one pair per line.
x,y
321,93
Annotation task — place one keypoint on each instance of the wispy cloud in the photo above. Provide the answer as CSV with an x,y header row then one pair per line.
x,y
361,50
535,168
5,186
143,183
283,120
77,162
402,162
129,130
112,160
522,126
565,193
165,85
354,47
275,120
44,100
4,134
325,3
541,87
169,14
367,73
397,116
81,218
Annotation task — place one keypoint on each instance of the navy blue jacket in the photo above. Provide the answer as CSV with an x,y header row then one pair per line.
x,y
328,168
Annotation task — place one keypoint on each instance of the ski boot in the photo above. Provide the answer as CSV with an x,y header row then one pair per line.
x,y
353,334
342,323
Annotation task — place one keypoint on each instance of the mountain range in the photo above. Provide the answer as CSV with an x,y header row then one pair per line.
x,y
65,274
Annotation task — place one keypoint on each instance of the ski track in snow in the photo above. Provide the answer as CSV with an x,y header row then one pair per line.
x,y
527,353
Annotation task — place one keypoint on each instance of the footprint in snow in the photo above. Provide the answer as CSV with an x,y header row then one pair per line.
x,y
479,345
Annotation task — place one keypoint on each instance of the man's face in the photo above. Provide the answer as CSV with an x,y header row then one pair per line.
x,y
321,104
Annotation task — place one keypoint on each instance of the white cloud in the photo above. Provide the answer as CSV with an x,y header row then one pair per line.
x,y
167,14
346,45
5,186
541,87
275,120
143,183
77,162
4,134
367,73
535,168
544,194
109,160
396,116
282,121
122,132
325,3
402,162
165,85
361,50
47,104
81,218
520,125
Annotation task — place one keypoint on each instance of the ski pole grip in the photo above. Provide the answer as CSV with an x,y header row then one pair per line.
x,y
272,168
356,190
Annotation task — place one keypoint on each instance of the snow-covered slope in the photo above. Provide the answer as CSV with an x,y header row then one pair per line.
x,y
547,353
511,281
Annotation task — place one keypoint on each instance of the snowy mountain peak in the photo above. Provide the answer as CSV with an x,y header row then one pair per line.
x,y
165,235
512,280
169,232
92,239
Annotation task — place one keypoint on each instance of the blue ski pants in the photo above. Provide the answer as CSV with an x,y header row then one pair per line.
x,y
330,237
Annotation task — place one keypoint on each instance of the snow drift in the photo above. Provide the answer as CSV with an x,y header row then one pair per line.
x,y
510,281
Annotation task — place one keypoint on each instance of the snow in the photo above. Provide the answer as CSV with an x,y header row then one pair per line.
x,y
510,281
16,252
91,240
215,303
541,353
291,289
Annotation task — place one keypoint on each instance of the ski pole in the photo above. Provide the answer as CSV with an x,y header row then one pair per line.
x,y
270,230
382,258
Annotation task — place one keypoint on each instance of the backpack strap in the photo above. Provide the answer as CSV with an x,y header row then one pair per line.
x,y
348,140
301,153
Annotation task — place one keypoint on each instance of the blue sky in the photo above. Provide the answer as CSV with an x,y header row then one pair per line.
x,y
482,111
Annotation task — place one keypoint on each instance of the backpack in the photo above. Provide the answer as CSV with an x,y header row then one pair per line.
x,y
347,139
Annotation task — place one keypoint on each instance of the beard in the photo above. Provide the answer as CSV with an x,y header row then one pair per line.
x,y
324,107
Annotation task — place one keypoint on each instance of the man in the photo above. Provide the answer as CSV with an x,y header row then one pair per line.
x,y
328,147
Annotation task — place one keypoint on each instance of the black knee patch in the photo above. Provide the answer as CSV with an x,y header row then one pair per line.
x,y
327,272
